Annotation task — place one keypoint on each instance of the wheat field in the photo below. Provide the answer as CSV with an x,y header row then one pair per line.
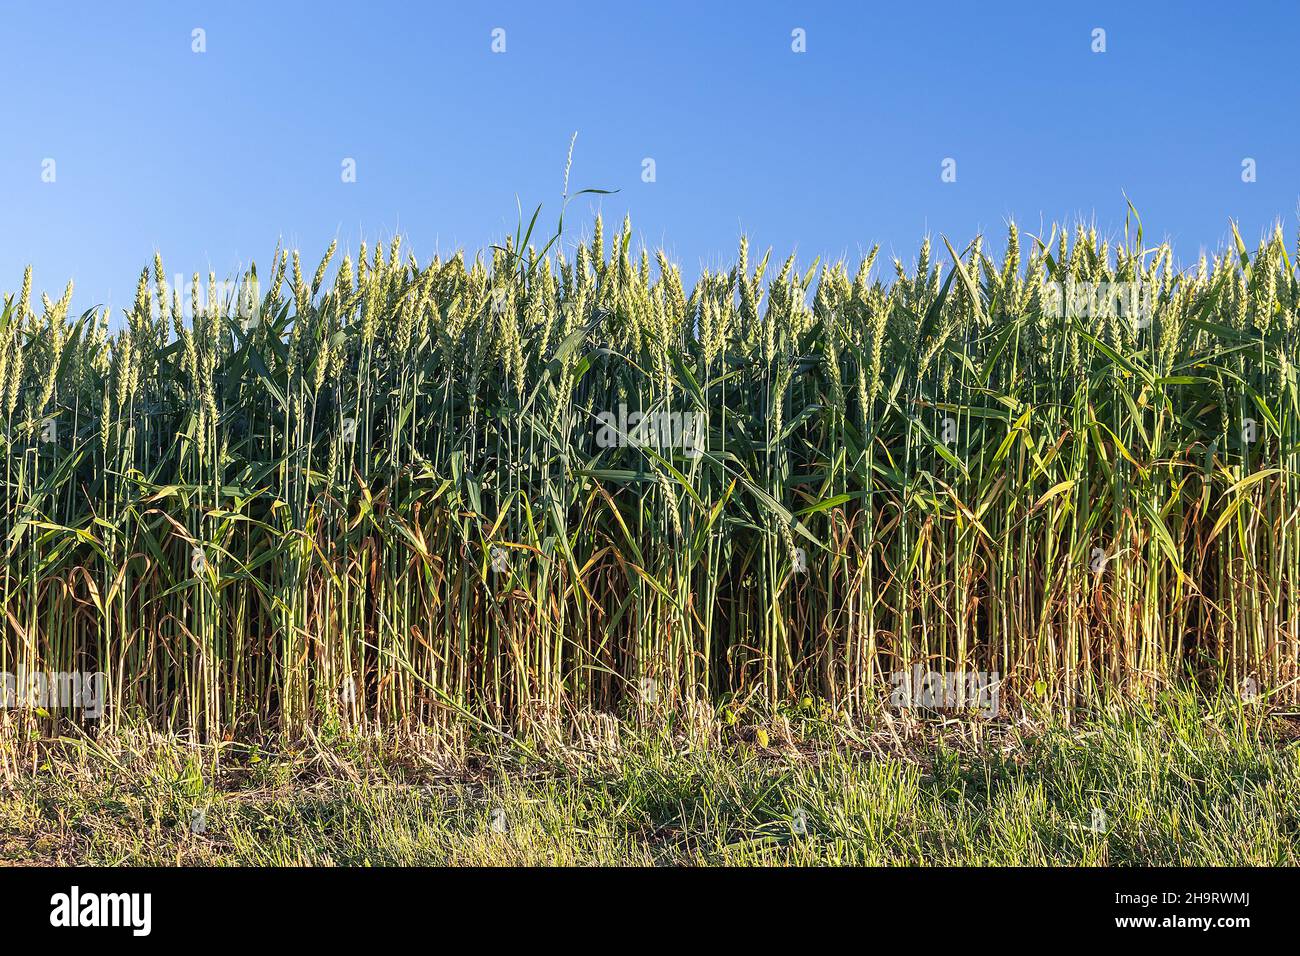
x,y
532,483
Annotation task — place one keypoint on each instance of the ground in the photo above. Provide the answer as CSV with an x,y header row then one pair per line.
x,y
1181,781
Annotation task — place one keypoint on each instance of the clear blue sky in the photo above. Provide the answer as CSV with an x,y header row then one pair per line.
x,y
211,157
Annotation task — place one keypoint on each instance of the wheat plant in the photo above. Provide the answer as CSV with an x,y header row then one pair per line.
x,y
379,491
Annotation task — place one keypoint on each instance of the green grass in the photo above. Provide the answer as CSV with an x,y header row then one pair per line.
x,y
1182,782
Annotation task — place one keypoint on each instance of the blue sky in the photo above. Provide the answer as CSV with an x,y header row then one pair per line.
x,y
210,157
